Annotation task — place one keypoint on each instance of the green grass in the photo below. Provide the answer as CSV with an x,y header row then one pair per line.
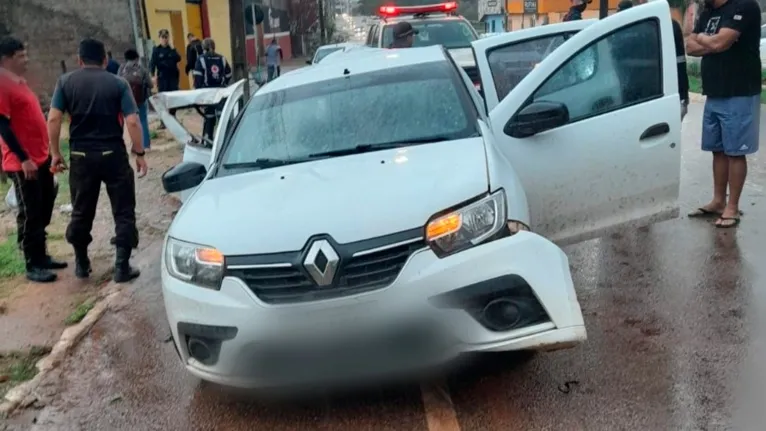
x,y
20,366
11,261
63,177
79,313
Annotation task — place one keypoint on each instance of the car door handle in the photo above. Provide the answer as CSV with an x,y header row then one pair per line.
x,y
656,130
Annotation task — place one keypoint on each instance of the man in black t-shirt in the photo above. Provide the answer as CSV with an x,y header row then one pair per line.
x,y
99,105
727,37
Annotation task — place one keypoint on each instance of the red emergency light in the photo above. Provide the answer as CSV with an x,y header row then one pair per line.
x,y
415,10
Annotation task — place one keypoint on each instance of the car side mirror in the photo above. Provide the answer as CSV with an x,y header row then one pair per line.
x,y
308,62
537,117
183,176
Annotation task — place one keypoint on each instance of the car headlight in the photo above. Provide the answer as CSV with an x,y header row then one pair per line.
x,y
468,226
195,264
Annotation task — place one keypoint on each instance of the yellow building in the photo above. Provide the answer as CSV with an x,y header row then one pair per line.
x,y
203,18
552,11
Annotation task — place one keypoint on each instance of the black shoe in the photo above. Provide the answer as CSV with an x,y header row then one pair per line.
x,y
82,267
123,272
51,263
40,275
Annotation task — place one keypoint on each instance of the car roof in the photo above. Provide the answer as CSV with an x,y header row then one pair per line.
x,y
356,61
417,18
336,45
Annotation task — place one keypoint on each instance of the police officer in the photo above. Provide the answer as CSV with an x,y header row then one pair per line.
x,y
404,35
576,9
164,63
98,104
211,71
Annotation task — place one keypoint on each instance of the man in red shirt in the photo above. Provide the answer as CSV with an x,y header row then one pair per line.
x,y
25,158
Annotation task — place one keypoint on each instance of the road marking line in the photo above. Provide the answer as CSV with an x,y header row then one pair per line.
x,y
437,403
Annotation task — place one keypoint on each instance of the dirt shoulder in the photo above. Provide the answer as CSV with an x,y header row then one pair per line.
x,y
33,316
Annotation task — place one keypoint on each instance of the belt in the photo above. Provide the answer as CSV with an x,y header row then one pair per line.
x,y
83,154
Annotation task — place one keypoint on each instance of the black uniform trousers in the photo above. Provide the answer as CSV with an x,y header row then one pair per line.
x,y
168,83
36,198
87,171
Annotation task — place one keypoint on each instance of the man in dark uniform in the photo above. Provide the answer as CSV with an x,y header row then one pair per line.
x,y
25,158
211,71
576,9
193,51
404,35
164,63
727,36
99,104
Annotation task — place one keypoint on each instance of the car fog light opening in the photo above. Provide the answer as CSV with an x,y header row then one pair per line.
x,y
468,226
195,264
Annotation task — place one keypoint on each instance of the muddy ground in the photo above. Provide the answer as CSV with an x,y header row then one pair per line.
x,y
33,316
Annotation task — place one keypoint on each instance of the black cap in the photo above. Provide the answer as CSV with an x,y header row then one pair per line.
x,y
624,4
403,29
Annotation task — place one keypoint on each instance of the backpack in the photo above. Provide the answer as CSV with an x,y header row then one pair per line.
x,y
135,77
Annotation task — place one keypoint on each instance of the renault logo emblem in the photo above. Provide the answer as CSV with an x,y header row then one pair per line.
x,y
321,262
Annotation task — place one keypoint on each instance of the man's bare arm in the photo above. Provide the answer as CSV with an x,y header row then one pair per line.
x,y
720,41
55,117
134,131
693,46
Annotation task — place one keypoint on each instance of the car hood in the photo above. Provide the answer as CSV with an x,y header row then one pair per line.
x,y
350,198
463,56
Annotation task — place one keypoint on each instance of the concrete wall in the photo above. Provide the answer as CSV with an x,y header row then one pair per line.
x,y
52,30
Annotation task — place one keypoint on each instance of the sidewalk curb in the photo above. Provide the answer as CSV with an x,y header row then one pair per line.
x,y
109,298
21,394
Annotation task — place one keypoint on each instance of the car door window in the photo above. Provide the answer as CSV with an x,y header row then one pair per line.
x,y
374,39
622,69
509,64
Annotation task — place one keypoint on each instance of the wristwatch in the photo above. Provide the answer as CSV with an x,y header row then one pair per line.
x,y
141,154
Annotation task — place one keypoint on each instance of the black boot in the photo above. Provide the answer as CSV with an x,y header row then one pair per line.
x,y
51,263
123,272
82,267
38,274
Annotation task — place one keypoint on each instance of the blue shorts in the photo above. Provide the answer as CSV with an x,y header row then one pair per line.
x,y
730,125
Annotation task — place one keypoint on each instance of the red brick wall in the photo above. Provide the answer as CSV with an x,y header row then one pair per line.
x,y
283,40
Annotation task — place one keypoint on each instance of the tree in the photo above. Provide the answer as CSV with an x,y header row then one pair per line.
x,y
302,16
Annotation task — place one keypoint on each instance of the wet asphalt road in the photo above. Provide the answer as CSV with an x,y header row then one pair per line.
x,y
676,342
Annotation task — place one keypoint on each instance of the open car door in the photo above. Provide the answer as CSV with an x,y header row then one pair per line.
x,y
594,129
197,149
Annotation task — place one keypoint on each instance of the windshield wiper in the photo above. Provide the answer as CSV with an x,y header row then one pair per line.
x,y
263,163
366,148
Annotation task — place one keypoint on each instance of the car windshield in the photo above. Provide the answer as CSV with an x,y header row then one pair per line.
x,y
449,33
324,52
375,110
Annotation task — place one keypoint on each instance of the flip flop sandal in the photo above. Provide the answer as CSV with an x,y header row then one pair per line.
x,y
721,222
703,213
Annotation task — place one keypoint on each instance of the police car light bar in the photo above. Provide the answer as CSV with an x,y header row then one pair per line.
x,y
415,10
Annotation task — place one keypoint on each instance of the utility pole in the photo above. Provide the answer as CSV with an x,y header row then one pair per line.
x,y
238,46
321,22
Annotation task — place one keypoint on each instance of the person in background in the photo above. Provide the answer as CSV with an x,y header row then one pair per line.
x,y
273,59
99,105
727,36
678,36
164,66
112,66
193,50
576,9
404,35
26,159
211,71
140,83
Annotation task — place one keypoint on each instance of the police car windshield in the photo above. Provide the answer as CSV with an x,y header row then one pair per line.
x,y
451,34
324,52
399,106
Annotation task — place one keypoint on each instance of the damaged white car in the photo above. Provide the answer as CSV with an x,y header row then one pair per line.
x,y
374,214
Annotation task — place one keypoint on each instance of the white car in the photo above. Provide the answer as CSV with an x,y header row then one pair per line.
x,y
375,215
763,46
325,50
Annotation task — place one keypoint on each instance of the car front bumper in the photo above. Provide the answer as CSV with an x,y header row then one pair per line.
x,y
525,269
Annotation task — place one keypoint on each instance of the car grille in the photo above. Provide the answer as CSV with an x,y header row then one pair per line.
x,y
356,274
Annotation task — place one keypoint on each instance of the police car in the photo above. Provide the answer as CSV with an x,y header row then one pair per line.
x,y
373,214
437,24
